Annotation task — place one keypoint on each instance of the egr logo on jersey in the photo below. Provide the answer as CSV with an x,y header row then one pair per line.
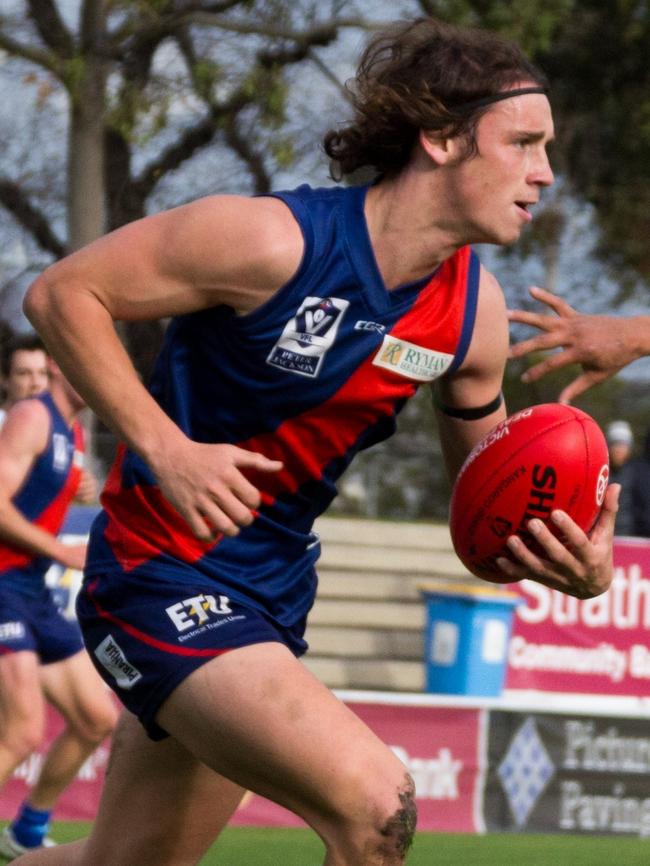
x,y
413,362
307,336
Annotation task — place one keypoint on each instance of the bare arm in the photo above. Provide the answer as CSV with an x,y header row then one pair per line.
x,y
220,250
22,440
479,379
603,345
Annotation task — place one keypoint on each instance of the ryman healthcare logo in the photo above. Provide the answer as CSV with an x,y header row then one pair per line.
x,y
307,336
413,362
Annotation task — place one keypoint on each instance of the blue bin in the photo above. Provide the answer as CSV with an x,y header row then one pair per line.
x,y
467,635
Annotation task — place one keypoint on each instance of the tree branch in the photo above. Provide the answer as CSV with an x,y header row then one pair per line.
x,y
32,220
191,140
51,29
241,144
324,69
45,59
231,25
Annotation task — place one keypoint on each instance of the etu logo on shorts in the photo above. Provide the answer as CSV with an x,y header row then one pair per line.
x,y
196,610
308,335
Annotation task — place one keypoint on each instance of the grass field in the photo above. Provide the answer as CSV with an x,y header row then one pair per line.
x,y
240,846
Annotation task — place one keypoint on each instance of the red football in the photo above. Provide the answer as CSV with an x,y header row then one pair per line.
x,y
542,458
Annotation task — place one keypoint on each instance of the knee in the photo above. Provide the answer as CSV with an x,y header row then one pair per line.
x,y
380,827
24,738
394,826
96,723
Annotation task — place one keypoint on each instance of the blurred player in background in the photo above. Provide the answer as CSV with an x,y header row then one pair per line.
x,y
41,653
302,323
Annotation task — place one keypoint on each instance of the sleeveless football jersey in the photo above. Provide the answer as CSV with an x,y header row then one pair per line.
x,y
316,374
44,498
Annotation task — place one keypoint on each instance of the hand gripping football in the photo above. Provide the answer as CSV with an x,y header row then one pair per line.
x,y
546,457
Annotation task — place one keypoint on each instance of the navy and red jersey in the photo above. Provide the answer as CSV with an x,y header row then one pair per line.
x,y
44,499
310,378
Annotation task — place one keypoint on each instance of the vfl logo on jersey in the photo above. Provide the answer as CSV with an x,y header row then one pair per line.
x,y
413,362
60,452
110,655
194,611
306,337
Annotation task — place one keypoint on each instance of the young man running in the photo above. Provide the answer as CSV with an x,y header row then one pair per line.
x,y
302,322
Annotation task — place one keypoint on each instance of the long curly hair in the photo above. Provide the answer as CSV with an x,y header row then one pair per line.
x,y
419,75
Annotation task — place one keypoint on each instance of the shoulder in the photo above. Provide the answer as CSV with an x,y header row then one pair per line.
x,y
229,240
28,424
488,346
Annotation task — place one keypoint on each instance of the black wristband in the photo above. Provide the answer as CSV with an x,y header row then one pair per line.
x,y
470,414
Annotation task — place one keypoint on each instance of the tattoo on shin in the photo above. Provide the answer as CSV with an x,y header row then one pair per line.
x,y
402,824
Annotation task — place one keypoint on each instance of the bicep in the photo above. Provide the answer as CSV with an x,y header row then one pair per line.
x,y
218,250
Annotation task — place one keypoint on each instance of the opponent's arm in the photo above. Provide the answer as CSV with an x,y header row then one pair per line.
x,y
22,439
219,250
603,345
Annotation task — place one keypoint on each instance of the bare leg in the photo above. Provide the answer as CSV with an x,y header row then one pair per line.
x,y
81,697
159,807
22,710
256,715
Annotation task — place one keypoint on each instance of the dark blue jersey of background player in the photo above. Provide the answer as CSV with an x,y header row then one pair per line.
x,y
44,498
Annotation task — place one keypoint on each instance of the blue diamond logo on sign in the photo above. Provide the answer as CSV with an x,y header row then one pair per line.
x,y
525,771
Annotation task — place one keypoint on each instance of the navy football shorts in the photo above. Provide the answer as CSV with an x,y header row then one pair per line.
x,y
36,624
146,635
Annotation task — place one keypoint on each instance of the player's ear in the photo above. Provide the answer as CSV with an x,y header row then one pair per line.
x,y
440,148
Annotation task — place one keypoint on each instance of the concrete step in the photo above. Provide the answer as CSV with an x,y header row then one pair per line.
x,y
378,674
382,587
378,587
391,560
368,613
363,643
383,533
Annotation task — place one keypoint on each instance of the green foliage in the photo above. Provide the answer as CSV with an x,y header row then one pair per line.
x,y
531,23
206,73
601,96
283,150
73,73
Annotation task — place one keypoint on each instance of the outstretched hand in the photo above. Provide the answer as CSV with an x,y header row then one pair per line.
x,y
603,345
581,566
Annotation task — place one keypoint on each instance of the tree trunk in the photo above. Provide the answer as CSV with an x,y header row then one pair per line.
x,y
86,190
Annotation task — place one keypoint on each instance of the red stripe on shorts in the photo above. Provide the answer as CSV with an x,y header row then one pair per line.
x,y
146,638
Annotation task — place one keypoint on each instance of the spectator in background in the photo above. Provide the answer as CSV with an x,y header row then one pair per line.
x,y
639,486
620,442
23,366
